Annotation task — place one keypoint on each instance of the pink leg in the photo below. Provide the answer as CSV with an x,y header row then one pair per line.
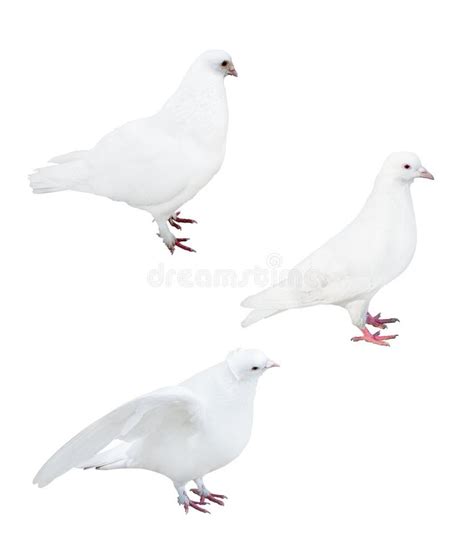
x,y
376,338
175,220
378,322
213,497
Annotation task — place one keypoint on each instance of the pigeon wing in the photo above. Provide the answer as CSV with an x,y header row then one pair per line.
x,y
143,163
174,408
325,290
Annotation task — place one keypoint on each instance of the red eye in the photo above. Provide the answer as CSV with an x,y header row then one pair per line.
x,y
406,166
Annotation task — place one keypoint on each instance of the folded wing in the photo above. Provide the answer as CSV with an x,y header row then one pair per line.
x,y
324,290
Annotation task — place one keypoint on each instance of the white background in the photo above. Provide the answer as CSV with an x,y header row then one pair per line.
x,y
350,441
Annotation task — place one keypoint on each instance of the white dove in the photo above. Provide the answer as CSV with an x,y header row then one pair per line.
x,y
156,163
351,267
183,432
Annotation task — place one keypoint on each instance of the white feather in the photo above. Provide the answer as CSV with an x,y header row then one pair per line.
x,y
70,156
128,421
352,266
156,163
183,432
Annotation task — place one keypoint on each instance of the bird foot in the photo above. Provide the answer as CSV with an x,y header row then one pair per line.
x,y
185,501
178,243
213,497
377,322
175,220
173,243
376,338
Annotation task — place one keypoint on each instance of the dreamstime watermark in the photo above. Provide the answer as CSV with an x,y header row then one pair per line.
x,y
271,273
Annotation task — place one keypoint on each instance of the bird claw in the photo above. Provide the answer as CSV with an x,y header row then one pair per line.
x,y
213,497
175,220
178,243
376,338
377,322
174,224
188,503
196,505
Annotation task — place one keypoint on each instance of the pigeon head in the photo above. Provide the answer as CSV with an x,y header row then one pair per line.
x,y
248,364
217,62
405,166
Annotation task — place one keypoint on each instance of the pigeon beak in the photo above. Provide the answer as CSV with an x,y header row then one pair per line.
x,y
270,364
232,71
423,173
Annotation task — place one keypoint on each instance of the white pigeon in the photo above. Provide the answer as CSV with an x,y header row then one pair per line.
x,y
354,265
183,432
157,163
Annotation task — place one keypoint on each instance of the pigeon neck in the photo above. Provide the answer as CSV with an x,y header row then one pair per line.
x,y
198,80
387,193
199,108
197,88
390,184
392,178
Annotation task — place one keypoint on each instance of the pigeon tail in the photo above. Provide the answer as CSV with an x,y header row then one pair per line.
x,y
67,175
259,314
276,299
70,156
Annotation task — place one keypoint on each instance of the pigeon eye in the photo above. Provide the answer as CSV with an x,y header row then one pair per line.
x,y
224,63
406,166
254,368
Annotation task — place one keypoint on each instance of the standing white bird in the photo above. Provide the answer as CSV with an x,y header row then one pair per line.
x,y
183,432
157,163
354,265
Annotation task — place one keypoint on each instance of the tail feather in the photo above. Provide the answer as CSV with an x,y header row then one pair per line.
x,y
275,298
70,156
259,314
264,304
68,175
